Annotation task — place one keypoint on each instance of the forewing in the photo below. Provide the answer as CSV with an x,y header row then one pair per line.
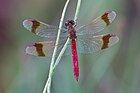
x,y
98,24
42,29
92,43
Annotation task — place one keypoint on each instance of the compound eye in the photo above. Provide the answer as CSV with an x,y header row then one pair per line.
x,y
72,22
66,23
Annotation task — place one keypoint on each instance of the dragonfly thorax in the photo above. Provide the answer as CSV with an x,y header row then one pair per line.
x,y
70,24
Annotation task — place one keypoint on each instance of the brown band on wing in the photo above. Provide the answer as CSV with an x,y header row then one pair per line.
x,y
105,18
105,39
39,49
35,25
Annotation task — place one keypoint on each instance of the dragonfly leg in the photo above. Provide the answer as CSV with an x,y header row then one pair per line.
x,y
75,24
65,27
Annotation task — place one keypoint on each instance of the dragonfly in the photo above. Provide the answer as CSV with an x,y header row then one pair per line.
x,y
81,40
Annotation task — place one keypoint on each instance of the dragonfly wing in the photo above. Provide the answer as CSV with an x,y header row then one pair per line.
x,y
92,43
98,24
40,49
44,49
42,29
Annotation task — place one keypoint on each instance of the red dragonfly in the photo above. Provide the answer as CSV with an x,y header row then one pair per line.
x,y
84,37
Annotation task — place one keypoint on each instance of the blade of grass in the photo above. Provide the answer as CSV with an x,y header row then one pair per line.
x,y
54,64
48,83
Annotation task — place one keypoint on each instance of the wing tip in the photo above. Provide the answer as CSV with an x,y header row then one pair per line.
x,y
27,49
113,39
35,49
109,40
110,12
27,23
111,15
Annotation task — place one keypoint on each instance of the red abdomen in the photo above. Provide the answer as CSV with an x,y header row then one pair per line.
x,y
75,59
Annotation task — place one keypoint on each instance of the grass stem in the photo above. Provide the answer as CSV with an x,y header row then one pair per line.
x,y
53,64
48,83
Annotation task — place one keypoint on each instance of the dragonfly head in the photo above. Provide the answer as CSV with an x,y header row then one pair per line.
x,y
69,23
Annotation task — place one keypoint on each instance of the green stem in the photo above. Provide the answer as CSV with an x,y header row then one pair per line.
x,y
77,10
54,64
48,83
61,54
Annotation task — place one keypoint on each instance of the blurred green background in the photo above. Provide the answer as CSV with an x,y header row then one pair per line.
x,y
115,70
